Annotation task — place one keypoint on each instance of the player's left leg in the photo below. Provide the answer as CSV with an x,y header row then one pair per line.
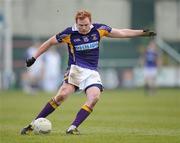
x,y
93,94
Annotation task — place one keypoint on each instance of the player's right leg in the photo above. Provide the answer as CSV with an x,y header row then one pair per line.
x,y
65,90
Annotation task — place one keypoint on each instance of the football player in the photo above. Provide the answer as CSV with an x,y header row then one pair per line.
x,y
83,46
151,62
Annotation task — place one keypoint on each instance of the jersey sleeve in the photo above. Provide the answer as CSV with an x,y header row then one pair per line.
x,y
64,36
103,29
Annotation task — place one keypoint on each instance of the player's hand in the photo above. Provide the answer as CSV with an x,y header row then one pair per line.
x,y
149,33
30,62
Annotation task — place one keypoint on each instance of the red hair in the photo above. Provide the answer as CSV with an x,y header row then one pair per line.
x,y
82,14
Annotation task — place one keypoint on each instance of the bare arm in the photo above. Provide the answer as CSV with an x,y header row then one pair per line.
x,y
129,33
45,46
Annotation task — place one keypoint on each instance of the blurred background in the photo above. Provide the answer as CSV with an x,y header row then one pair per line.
x,y
24,24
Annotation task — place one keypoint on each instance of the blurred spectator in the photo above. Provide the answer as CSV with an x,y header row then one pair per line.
x,y
52,70
151,62
127,78
32,77
110,78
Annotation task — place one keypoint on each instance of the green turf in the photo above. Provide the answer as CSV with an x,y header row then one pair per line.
x,y
121,116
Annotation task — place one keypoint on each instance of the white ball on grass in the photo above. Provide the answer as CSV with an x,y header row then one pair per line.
x,y
42,126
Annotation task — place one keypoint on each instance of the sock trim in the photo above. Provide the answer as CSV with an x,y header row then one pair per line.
x,y
53,103
88,109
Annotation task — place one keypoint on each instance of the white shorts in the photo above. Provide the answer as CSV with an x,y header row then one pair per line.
x,y
150,72
83,77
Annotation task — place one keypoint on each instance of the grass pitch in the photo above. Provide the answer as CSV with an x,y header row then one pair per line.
x,y
121,116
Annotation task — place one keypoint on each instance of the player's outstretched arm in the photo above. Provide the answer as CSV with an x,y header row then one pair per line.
x,y
44,47
129,33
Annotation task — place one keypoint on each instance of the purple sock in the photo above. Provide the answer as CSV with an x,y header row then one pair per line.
x,y
48,109
82,115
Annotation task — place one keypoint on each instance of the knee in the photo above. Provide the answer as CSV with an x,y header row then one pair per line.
x,y
94,98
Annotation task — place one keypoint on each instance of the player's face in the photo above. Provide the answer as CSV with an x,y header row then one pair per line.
x,y
83,25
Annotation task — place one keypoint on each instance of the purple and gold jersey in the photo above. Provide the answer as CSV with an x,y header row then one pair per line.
x,y
84,49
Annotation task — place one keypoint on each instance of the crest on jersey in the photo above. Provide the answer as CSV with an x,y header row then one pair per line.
x,y
85,38
94,37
